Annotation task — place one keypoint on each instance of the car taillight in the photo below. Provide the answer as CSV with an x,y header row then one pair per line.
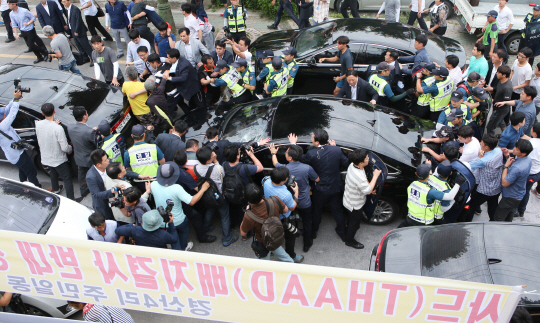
x,y
378,258
121,119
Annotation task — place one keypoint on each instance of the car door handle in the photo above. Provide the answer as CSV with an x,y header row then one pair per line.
x,y
492,261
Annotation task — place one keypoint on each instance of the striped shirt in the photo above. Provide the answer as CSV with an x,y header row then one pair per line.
x,y
356,188
490,169
105,314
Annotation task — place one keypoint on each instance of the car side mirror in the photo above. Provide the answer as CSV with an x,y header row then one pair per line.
x,y
311,62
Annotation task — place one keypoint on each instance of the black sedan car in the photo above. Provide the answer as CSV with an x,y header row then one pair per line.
x,y
392,137
369,41
492,253
65,90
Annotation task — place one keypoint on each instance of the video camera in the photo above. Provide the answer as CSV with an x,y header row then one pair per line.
x,y
118,200
166,212
244,148
228,34
18,87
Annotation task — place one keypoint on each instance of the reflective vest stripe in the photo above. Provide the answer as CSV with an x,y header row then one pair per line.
x,y
423,99
378,83
281,79
441,100
236,23
439,185
143,159
247,72
231,78
290,66
419,209
111,148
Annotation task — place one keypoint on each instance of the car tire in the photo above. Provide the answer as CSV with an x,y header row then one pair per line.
x,y
32,310
450,7
385,212
512,43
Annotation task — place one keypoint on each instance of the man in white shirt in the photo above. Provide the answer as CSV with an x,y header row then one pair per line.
x,y
521,72
417,6
241,49
454,72
505,19
90,15
535,82
534,173
471,145
136,42
191,22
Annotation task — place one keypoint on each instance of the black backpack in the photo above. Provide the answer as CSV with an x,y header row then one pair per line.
x,y
212,198
233,186
272,231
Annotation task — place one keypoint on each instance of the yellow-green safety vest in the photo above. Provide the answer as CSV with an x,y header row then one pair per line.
x,y
378,83
473,111
423,99
245,77
236,23
441,100
143,159
281,78
419,209
465,122
231,78
290,66
439,185
112,149
527,20
449,108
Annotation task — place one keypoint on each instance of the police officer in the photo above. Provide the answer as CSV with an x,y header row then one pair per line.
x,y
440,91
231,78
530,18
456,102
235,20
440,183
465,87
247,77
421,199
456,120
113,144
266,61
381,83
277,85
477,103
143,158
288,57
426,79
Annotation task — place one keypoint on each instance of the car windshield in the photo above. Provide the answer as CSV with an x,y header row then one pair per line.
x,y
250,122
24,208
314,38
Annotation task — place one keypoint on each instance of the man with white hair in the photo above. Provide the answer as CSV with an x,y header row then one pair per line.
x,y
62,50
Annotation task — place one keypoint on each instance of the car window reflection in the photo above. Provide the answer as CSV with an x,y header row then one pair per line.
x,y
250,123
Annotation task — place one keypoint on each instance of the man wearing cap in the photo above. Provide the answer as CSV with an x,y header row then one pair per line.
x,y
526,105
421,107
443,136
345,57
233,79
477,103
23,20
54,149
491,33
456,102
422,197
266,60
440,183
150,233
440,90
380,82
113,143
165,188
456,120
143,158
478,62
531,17
358,89
465,87
277,84
288,57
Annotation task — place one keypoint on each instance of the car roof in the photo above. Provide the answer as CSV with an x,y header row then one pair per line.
x,y
376,31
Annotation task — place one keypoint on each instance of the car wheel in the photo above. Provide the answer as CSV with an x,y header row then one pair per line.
x,y
385,212
450,7
512,43
32,310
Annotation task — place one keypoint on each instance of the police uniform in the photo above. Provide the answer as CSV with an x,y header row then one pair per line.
x,y
277,85
231,79
112,148
236,21
378,83
422,103
292,66
143,158
528,19
443,186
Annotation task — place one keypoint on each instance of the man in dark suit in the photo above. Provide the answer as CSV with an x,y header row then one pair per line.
x,y
83,139
397,83
357,89
306,11
169,143
186,81
95,179
222,53
49,14
78,30
491,80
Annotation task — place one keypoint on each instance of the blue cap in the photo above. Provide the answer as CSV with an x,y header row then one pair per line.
x,y
492,13
137,130
444,169
290,51
240,62
267,54
220,64
423,171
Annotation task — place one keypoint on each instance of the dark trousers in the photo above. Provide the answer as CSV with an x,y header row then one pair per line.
x,y
410,223
83,45
307,220
506,209
434,116
196,219
440,31
497,119
237,36
290,241
236,213
413,16
285,5
530,182
27,170
81,175
147,34
196,101
244,98
353,219
7,22
304,23
93,23
320,199
346,4
63,171
500,43
34,43
478,199
420,111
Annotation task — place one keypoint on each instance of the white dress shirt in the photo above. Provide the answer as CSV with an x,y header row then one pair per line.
x,y
353,91
46,7
102,174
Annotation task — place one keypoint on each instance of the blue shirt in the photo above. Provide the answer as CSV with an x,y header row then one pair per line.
x,y
509,137
387,89
117,14
12,155
530,115
163,43
246,178
420,56
158,238
127,163
263,73
186,181
481,162
303,173
21,16
431,89
517,177
346,61
478,65
433,195
280,191
110,234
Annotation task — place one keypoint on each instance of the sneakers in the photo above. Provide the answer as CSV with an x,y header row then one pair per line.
x,y
40,59
189,246
272,26
298,259
478,210
233,240
9,40
60,189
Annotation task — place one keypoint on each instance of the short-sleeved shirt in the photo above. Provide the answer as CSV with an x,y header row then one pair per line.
x,y
90,11
509,137
503,93
491,34
252,170
530,115
138,210
356,188
202,73
137,9
163,43
521,74
110,235
138,104
517,177
105,60
177,194
60,43
216,175
280,191
116,14
194,26
346,61
259,209
478,65
303,173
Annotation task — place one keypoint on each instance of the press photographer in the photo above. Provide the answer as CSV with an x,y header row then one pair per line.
x,y
150,234
61,50
12,145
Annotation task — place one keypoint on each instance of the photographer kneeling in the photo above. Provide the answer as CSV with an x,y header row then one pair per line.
x,y
61,50
150,234
276,187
